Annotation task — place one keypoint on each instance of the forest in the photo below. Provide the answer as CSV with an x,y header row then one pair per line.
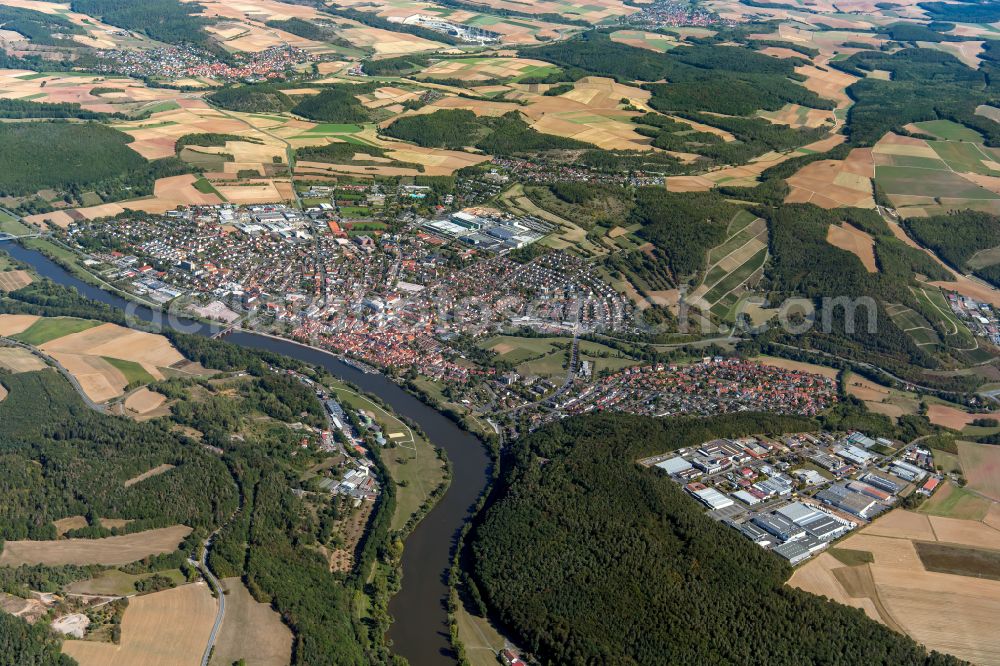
x,y
683,226
333,105
39,27
21,108
926,85
170,21
731,80
74,158
272,541
23,644
76,460
458,128
588,558
956,236
254,98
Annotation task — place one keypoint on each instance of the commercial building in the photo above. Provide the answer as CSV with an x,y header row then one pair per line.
x,y
779,526
712,498
674,465
841,497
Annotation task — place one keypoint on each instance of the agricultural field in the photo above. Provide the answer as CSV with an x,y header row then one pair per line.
x,y
923,177
104,358
484,69
881,399
903,586
17,359
112,551
952,501
732,265
168,628
913,324
981,464
835,183
14,280
645,40
250,630
115,582
855,241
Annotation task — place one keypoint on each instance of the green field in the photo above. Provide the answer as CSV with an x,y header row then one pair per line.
x,y
517,350
117,583
929,183
737,277
205,187
550,365
52,328
948,130
963,157
413,462
134,373
9,225
954,502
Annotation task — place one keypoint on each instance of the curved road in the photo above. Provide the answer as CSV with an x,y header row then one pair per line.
x,y
220,594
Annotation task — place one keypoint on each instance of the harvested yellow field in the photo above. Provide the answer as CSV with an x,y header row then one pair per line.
x,y
17,359
14,280
12,324
855,241
258,192
902,525
147,349
946,612
835,183
981,464
112,551
64,525
950,417
830,84
798,366
146,403
159,469
168,193
250,630
481,69
98,378
169,628
819,578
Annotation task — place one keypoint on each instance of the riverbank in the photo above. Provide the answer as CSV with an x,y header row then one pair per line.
x,y
420,632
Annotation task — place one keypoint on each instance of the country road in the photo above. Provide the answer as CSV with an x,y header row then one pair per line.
x,y
220,594
97,407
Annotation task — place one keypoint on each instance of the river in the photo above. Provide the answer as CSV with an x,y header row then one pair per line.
x,y
420,631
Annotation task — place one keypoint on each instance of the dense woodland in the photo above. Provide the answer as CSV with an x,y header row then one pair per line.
x,y
75,461
588,558
41,28
957,236
20,108
256,98
73,158
333,105
731,80
170,21
459,128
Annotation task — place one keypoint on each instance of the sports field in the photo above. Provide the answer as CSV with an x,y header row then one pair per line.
x,y
111,551
168,628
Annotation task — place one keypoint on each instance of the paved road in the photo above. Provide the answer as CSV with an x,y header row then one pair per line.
x,y
220,593
97,407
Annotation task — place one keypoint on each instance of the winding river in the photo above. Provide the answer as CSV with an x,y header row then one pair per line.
x,y
420,632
